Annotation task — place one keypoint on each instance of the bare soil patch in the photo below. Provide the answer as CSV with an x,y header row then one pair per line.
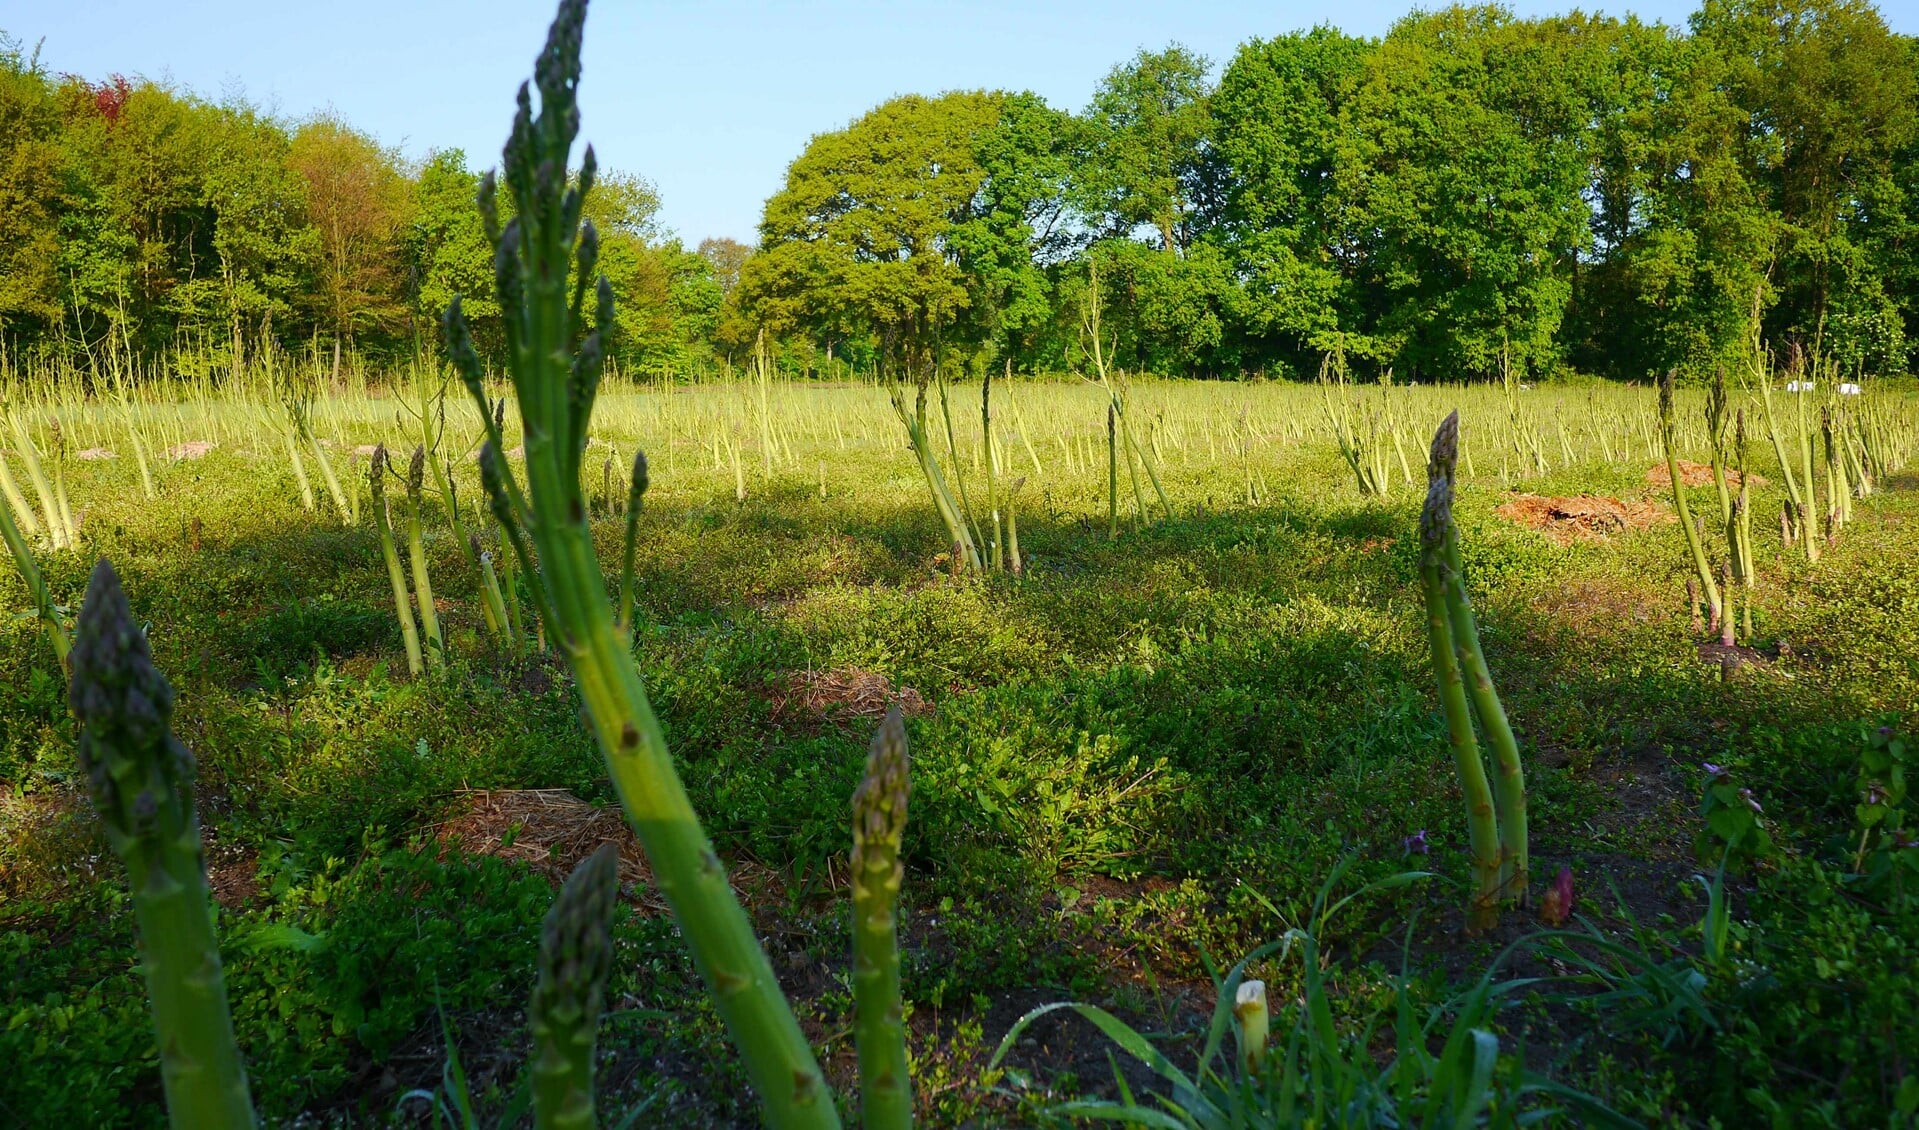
x,y
1581,516
1696,475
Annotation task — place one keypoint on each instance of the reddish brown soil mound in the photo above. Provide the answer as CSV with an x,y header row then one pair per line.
x,y
1581,516
863,694
1696,475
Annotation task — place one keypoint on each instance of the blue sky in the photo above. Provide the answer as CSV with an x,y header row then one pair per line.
x,y
710,101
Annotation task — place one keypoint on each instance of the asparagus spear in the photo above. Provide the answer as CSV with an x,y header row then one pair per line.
x,y
376,479
576,952
879,822
1509,783
141,779
416,554
555,359
1707,584
1482,826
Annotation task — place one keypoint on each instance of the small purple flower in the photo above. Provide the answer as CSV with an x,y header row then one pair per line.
x,y
1714,770
1751,801
1416,844
1563,887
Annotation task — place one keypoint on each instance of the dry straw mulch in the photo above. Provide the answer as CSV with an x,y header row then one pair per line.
x,y
551,831
1695,475
1581,516
862,694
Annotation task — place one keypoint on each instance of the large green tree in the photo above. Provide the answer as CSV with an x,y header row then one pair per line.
x,y
29,196
1148,121
447,249
359,204
859,241
267,251
1281,144
1825,103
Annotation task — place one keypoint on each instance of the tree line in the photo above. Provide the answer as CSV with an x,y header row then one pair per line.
x,y
143,227
1472,194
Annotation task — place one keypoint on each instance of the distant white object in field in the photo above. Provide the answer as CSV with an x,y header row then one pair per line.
x,y
192,449
1850,389
1798,386
95,453
1524,387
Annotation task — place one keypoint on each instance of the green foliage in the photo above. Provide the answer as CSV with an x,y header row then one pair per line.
x,y
857,242
1319,1076
1735,825
1145,125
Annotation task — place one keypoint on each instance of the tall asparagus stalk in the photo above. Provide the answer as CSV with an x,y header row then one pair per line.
x,y
555,360
635,498
16,500
416,555
59,453
1707,584
409,634
879,1031
30,459
141,779
1796,508
576,953
1509,780
1482,820
36,585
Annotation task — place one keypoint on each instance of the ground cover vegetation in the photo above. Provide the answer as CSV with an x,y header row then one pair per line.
x,y
1564,783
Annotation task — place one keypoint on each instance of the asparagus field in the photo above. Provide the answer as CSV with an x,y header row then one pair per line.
x,y
1193,701
506,740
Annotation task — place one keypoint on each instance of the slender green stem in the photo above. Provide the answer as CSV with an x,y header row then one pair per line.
x,y
1482,828
17,501
996,554
396,575
140,457
300,472
1707,584
30,459
36,585
1509,780
416,555
1013,559
327,476
635,498
1810,532
959,477
1112,470
490,588
60,488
